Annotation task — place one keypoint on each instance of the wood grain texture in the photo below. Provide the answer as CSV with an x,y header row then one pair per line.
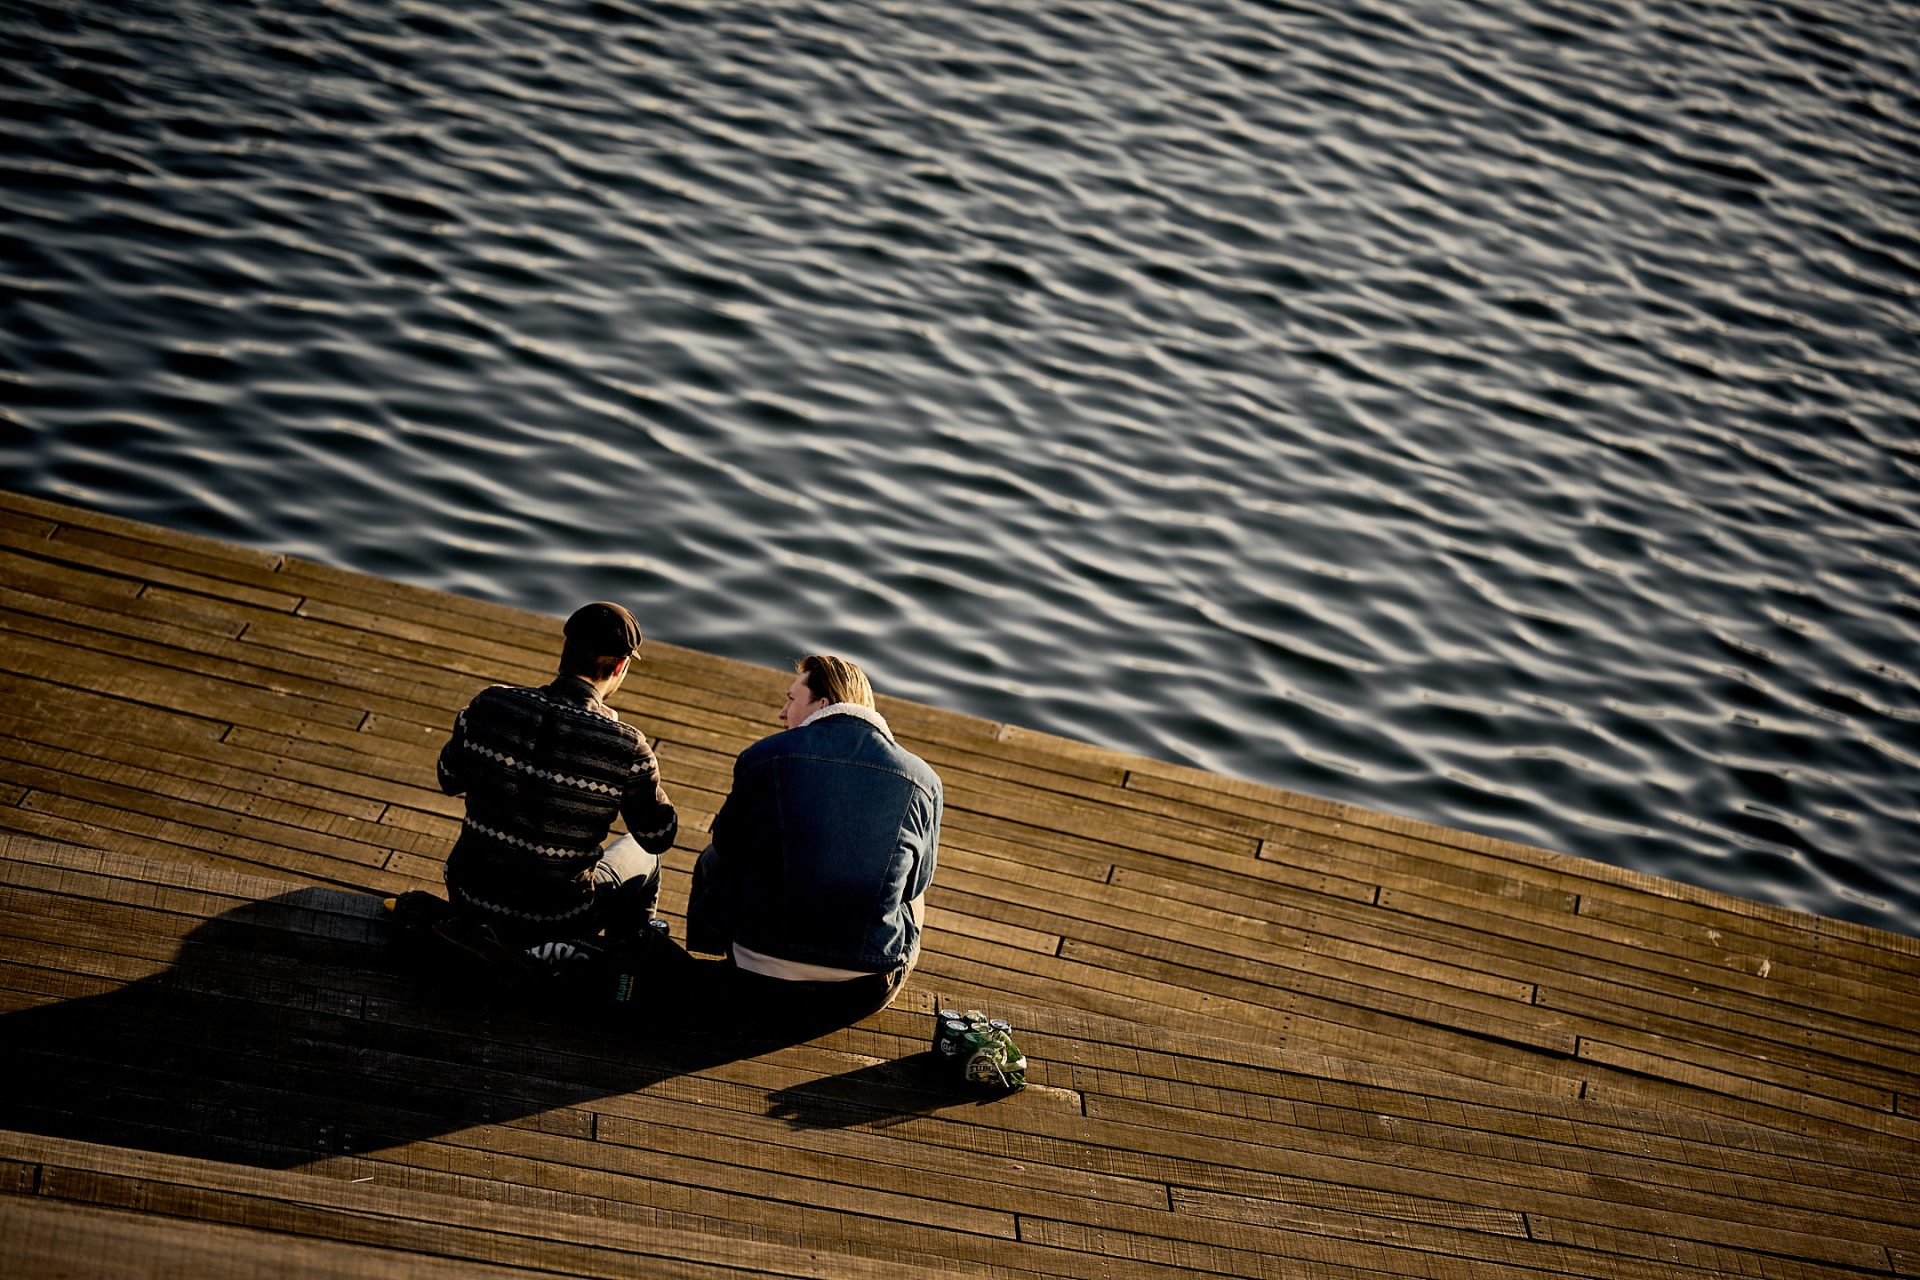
x,y
1269,1035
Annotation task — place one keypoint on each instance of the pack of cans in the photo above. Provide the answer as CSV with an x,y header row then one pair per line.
x,y
980,1049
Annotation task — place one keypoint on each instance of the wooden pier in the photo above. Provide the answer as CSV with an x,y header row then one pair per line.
x,y
1270,1036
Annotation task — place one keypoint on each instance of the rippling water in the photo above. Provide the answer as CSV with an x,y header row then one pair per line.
x,y
1498,412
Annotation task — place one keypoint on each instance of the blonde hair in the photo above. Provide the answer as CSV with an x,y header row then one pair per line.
x,y
835,679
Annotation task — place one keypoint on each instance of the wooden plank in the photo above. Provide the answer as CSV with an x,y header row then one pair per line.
x,y
451,677
202,801
344,776
157,548
197,797
1698,1216
110,872
1647,1243
28,528
1810,949
1388,1105
133,885
18,509
661,1179
1318,834
27,705
1677,901
48,594
1226,925
1222,989
121,818
1840,1059
348,689
45,1238
197,760
1525,1176
37,658
288,1205
69,551
1681,1254
164,844
1409,866
692,1133
1575,945
154,924
1172,1009
1766,1104
1502,939
1349,1004
1304,837
677,1162
57,581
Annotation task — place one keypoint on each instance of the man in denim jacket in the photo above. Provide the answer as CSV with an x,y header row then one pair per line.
x,y
815,884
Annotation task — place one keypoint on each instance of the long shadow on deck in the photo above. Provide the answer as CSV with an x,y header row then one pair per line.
x,y
289,1030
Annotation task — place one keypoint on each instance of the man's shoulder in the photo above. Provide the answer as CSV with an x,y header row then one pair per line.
x,y
771,747
495,692
498,697
922,772
842,740
516,699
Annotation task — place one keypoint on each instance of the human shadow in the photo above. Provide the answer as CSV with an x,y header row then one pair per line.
x,y
294,1028
877,1096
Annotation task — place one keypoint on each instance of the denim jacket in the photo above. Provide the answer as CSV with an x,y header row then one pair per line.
x,y
830,831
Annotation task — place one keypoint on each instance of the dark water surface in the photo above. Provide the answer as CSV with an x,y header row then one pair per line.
x,y
1504,412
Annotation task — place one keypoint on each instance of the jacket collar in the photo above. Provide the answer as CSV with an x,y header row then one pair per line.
x,y
855,710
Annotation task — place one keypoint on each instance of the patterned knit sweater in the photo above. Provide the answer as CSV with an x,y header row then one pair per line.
x,y
545,772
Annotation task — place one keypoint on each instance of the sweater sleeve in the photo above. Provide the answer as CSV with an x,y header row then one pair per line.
x,y
650,816
451,767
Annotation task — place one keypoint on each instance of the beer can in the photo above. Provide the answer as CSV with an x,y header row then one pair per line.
x,y
947,1034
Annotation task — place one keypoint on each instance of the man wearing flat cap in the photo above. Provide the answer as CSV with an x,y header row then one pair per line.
x,y
545,772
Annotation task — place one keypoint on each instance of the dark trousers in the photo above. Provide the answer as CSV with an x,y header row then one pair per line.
x,y
709,907
726,997
721,997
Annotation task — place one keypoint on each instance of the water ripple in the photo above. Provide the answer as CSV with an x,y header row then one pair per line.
x,y
1499,413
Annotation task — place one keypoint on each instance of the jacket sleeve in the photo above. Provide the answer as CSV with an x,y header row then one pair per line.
x,y
651,817
922,877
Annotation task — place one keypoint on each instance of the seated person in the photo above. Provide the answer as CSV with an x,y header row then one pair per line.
x,y
815,883
545,772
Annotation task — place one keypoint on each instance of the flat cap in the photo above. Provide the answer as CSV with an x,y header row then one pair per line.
x,y
603,629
